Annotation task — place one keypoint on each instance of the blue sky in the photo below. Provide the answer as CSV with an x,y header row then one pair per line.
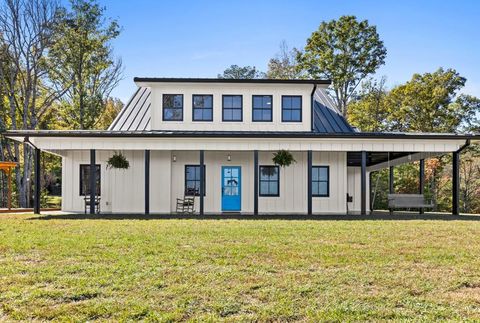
x,y
201,38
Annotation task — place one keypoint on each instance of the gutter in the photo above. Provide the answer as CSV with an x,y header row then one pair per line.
x,y
467,143
312,125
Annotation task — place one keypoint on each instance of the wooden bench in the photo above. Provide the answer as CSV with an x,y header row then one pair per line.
x,y
407,201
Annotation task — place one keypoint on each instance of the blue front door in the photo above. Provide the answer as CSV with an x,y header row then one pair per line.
x,y
231,188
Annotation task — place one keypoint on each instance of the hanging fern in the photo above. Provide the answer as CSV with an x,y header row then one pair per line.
x,y
118,160
283,158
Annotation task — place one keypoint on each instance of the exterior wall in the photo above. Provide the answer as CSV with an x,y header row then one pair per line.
x,y
219,89
122,191
354,189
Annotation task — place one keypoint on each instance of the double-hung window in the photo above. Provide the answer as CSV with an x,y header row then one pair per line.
x,y
320,181
202,107
262,108
232,108
173,107
192,180
291,108
269,181
85,180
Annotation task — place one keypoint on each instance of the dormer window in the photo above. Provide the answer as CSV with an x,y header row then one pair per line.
x,y
202,107
262,108
232,107
291,108
173,107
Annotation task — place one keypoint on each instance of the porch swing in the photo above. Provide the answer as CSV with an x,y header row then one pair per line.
x,y
402,201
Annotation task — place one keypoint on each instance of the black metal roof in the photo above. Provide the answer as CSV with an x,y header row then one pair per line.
x,y
237,134
219,80
328,120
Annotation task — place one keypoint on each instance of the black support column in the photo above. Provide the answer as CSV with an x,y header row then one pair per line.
x,y
391,178
421,179
456,183
147,181
255,182
202,180
36,197
93,182
363,184
309,179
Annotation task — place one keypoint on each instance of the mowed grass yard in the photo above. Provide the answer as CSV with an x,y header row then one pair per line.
x,y
236,269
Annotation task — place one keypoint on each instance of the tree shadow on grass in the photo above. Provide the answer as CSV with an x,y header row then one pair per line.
x,y
380,216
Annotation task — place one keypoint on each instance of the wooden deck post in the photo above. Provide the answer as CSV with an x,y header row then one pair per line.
x,y
9,192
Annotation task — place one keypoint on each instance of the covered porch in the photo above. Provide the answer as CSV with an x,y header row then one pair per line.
x,y
363,153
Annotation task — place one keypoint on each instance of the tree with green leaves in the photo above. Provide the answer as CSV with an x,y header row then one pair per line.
x,y
345,51
82,61
241,72
284,65
369,109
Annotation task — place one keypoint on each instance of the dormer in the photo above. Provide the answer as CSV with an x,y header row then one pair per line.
x,y
202,104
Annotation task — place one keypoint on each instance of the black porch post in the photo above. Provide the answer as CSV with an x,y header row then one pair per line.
x,y
202,179
370,197
391,189
421,179
93,182
147,181
363,184
309,179
36,197
456,183
255,182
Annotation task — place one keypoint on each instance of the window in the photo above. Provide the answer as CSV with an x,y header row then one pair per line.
x,y
85,180
173,107
262,108
269,181
320,181
291,108
232,108
192,180
202,108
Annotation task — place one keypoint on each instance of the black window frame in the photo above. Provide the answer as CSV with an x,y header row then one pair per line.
x,y
193,108
87,188
321,181
260,180
204,176
241,107
262,108
301,108
164,108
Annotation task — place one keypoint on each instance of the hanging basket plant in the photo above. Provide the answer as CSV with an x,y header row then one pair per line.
x,y
283,158
118,161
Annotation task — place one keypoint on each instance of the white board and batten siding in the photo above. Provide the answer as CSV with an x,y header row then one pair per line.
x,y
122,191
217,90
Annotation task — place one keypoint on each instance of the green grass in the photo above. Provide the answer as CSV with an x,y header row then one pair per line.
x,y
231,270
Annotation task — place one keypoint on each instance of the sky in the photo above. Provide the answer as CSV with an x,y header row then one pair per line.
x,y
201,38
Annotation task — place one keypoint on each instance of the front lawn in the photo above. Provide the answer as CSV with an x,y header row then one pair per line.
x,y
285,270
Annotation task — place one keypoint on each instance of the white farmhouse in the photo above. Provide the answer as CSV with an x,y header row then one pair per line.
x,y
215,139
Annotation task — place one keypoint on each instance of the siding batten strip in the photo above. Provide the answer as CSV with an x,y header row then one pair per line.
x,y
93,182
363,184
147,181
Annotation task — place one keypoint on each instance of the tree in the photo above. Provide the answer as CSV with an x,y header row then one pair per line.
x,y
81,60
426,103
369,110
112,108
284,65
345,51
241,72
26,34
